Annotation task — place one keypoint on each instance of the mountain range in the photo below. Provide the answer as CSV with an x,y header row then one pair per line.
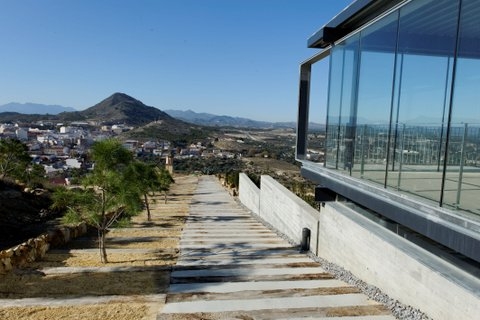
x,y
120,108
124,109
34,108
213,120
208,119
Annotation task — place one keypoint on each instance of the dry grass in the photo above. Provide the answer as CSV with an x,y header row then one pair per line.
x,y
37,285
132,311
145,245
117,259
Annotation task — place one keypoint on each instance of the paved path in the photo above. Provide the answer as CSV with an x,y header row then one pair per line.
x,y
232,267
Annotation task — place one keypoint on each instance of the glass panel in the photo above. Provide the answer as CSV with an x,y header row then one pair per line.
x,y
377,61
341,119
462,184
422,92
334,106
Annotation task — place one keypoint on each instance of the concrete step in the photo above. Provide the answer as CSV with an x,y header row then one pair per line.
x,y
232,267
213,261
259,271
372,313
233,241
279,251
267,303
228,287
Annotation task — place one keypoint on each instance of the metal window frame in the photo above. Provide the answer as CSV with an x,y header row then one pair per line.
x,y
304,103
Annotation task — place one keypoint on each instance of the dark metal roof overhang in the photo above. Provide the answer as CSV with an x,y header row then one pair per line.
x,y
453,231
351,18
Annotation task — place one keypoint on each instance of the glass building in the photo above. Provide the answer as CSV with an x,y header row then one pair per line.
x,y
401,112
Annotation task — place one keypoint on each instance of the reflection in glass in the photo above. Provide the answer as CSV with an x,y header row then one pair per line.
x,y
341,105
462,177
403,103
377,61
422,92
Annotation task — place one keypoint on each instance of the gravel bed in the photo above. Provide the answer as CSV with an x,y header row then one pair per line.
x,y
399,310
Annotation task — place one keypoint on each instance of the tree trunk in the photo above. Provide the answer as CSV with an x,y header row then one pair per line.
x,y
165,194
102,229
101,243
149,217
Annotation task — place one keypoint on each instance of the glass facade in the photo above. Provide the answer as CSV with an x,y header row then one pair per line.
x,y
402,109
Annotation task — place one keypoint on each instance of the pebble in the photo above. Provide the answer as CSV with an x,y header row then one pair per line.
x,y
399,310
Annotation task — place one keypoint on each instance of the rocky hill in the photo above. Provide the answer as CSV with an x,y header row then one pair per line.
x,y
121,108
148,122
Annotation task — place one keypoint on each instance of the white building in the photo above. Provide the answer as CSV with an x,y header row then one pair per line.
x,y
22,134
73,163
64,129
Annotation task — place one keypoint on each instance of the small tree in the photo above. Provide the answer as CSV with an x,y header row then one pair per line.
x,y
109,195
14,158
34,175
146,179
165,180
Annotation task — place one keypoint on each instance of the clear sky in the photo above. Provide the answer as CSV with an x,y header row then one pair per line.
x,y
226,57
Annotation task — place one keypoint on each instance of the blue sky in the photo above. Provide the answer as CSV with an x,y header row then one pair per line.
x,y
229,57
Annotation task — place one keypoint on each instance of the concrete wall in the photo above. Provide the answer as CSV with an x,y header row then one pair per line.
x,y
375,255
396,266
286,212
249,193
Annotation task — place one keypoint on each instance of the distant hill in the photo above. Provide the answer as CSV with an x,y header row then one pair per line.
x,y
34,108
208,119
15,117
121,108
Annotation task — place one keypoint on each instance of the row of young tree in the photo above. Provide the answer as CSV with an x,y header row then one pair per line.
x,y
118,186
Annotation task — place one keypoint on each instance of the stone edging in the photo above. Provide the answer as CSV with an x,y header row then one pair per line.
x,y
36,248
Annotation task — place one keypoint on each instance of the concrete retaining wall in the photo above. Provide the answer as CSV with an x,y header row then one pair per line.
x,y
375,255
249,193
396,266
36,248
286,212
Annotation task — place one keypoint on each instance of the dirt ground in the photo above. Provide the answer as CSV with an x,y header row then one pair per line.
x,y
130,287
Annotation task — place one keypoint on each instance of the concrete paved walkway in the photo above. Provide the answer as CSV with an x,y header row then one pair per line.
x,y
232,267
